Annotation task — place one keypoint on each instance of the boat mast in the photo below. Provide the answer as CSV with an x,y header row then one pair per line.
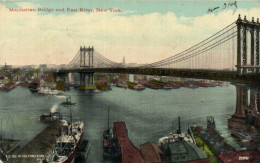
x,y
70,117
108,119
172,127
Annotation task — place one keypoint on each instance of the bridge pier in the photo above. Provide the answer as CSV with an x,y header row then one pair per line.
x,y
255,99
55,75
247,112
238,119
86,78
62,77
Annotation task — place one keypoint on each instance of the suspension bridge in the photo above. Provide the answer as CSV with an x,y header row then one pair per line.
x,y
231,54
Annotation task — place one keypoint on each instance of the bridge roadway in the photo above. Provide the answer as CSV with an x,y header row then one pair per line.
x,y
230,76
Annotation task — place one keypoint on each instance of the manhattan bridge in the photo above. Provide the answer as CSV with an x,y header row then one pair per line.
x,y
231,54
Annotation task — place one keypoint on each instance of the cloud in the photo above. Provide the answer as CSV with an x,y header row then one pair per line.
x,y
33,38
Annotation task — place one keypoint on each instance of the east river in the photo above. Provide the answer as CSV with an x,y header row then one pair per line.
x,y
148,114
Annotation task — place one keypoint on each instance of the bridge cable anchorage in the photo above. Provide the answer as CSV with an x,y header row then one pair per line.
x,y
191,48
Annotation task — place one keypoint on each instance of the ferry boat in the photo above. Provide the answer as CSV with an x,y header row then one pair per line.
x,y
34,85
48,91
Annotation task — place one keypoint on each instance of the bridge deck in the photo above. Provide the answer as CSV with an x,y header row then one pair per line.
x,y
231,76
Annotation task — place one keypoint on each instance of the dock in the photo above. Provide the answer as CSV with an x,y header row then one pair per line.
x,y
39,147
129,152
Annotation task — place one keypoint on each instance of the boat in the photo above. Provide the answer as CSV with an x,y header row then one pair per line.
x,y
192,86
83,150
68,102
51,117
139,87
111,148
48,91
171,138
68,143
3,157
34,85
167,87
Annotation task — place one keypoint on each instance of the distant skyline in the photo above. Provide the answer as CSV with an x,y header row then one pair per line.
x,y
144,32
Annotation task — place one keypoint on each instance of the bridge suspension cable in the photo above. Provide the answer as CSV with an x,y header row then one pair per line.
x,y
74,62
200,48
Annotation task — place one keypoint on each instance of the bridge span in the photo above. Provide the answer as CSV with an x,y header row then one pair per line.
x,y
231,54
229,76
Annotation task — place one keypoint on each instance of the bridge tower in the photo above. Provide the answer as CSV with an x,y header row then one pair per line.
x,y
89,61
247,34
86,62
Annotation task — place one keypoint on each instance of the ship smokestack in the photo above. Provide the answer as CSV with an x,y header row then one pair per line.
x,y
179,130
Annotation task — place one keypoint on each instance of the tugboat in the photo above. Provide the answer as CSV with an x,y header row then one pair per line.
x,y
67,102
111,148
51,117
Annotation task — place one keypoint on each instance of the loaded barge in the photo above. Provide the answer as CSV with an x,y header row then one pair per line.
x,y
57,143
38,148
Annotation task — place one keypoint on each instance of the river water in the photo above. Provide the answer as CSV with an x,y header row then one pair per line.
x,y
148,114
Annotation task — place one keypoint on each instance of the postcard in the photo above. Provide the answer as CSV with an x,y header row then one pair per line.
x,y
131,81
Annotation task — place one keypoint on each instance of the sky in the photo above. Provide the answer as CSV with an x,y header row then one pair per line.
x,y
143,31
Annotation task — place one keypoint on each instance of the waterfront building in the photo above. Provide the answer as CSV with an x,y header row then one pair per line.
x,y
183,151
